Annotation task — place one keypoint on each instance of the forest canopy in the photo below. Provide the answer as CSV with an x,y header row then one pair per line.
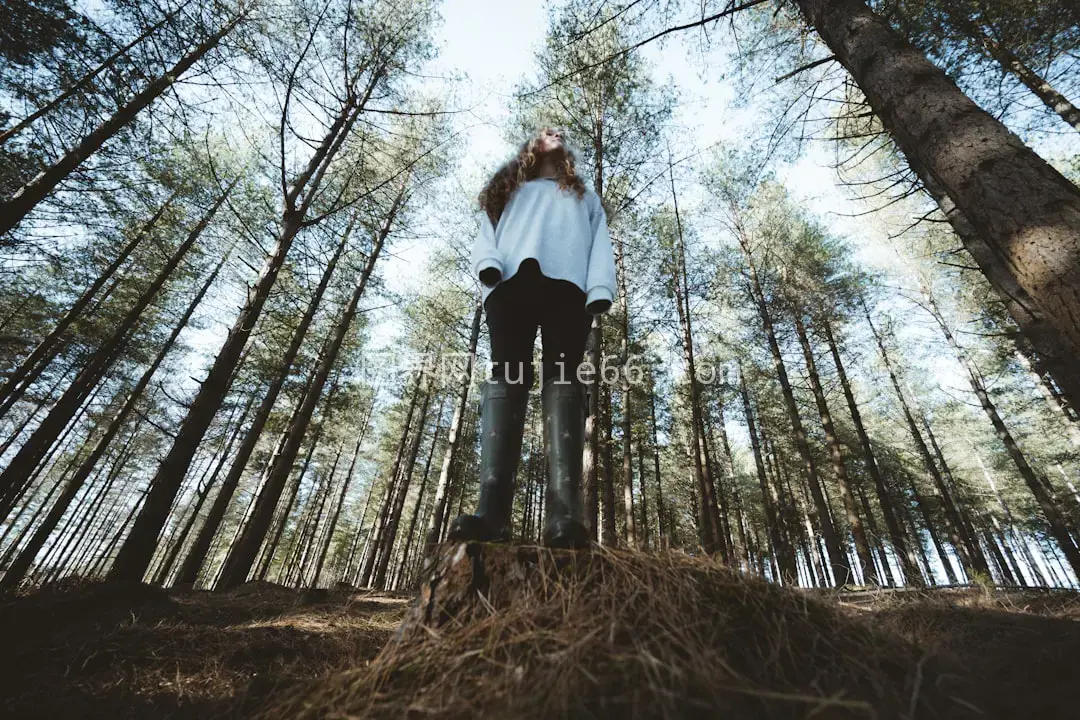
x,y
242,340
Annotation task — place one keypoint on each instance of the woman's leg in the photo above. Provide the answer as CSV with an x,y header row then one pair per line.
x,y
565,325
504,401
510,317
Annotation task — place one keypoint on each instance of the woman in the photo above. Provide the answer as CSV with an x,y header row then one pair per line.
x,y
544,260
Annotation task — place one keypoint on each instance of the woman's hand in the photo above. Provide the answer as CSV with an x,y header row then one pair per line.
x,y
490,276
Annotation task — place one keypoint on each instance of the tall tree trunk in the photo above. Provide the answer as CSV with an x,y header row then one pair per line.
x,y
967,547
782,552
660,521
420,493
30,454
645,531
47,506
875,537
837,557
40,403
735,507
76,538
709,535
311,546
593,352
280,520
951,487
608,535
632,539
935,540
374,539
453,441
1039,486
174,552
18,569
389,535
1027,212
346,573
332,525
238,565
195,558
722,510
896,534
632,535
62,446
13,210
137,550
591,450
862,547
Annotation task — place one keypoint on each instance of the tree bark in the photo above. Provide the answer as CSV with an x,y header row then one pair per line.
x,y
1027,212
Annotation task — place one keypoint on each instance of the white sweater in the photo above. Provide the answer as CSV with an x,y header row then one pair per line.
x,y
567,237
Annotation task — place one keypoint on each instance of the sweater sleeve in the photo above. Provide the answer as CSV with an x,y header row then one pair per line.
x,y
484,252
600,280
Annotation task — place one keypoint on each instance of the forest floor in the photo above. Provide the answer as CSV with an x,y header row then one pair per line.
x,y
89,650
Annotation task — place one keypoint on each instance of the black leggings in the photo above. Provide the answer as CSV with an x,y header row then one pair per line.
x,y
514,310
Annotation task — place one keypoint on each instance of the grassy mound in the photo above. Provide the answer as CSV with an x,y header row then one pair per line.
x,y
504,632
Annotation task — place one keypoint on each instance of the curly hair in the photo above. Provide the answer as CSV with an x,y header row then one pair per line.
x,y
522,168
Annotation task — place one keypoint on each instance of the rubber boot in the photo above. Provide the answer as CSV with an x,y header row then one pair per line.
x,y
502,423
564,438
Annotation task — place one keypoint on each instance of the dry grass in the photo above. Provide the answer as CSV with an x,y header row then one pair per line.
x,y
1020,647
92,650
527,633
